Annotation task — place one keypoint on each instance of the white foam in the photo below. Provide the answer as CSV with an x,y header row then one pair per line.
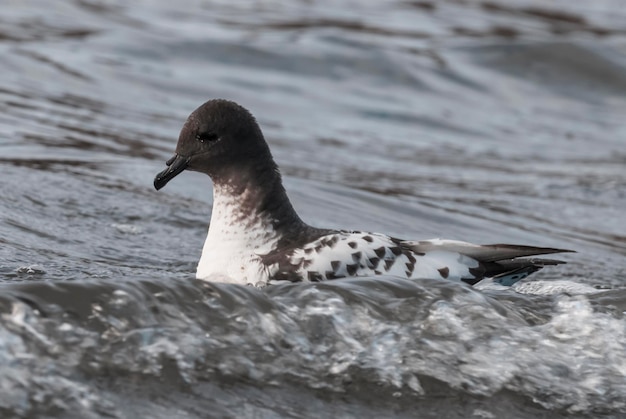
x,y
553,287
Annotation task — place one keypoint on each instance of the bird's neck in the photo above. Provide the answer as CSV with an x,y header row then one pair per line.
x,y
251,204
252,218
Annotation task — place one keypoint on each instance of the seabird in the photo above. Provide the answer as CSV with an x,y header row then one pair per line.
x,y
256,237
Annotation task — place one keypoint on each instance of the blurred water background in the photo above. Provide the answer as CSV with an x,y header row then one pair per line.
x,y
485,121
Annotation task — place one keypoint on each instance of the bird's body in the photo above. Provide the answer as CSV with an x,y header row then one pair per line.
x,y
255,236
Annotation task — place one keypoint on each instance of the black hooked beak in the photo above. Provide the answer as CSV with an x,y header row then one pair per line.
x,y
175,165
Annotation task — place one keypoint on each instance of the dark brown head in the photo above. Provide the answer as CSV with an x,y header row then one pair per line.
x,y
221,139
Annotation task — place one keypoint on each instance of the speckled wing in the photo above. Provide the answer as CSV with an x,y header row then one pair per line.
x,y
352,253
348,254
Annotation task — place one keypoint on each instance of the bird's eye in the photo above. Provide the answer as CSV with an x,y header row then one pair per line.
x,y
206,137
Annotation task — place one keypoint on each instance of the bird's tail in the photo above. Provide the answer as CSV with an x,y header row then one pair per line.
x,y
504,263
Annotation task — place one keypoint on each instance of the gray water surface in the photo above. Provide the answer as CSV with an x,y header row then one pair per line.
x,y
479,121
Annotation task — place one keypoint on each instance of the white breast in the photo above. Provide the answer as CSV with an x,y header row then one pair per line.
x,y
234,240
